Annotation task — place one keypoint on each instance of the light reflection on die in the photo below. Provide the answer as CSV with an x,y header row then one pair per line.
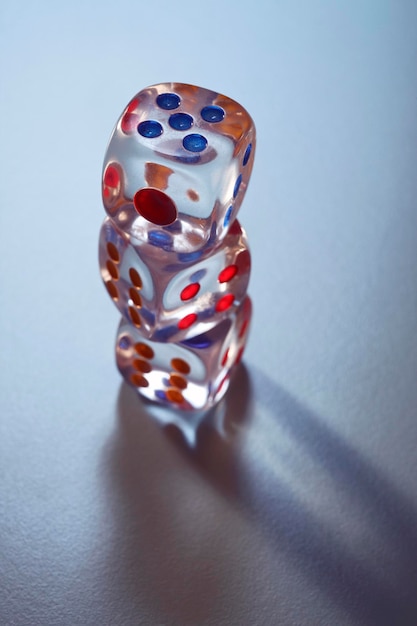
x,y
177,166
168,299
173,257
188,375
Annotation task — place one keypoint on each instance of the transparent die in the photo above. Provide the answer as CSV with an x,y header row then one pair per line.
x,y
171,296
189,375
177,166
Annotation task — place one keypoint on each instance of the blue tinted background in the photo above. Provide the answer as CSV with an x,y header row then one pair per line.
x,y
301,508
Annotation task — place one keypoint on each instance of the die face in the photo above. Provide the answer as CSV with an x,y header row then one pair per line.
x,y
178,164
191,375
168,296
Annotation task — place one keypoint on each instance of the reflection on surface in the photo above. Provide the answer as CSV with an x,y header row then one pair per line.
x,y
224,418
172,552
261,485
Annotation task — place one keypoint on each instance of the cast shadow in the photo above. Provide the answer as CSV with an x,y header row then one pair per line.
x,y
148,464
366,589
143,454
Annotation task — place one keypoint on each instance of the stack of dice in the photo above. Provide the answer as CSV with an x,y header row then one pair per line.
x,y
173,256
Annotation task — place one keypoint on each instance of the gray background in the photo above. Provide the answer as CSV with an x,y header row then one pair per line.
x,y
296,503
